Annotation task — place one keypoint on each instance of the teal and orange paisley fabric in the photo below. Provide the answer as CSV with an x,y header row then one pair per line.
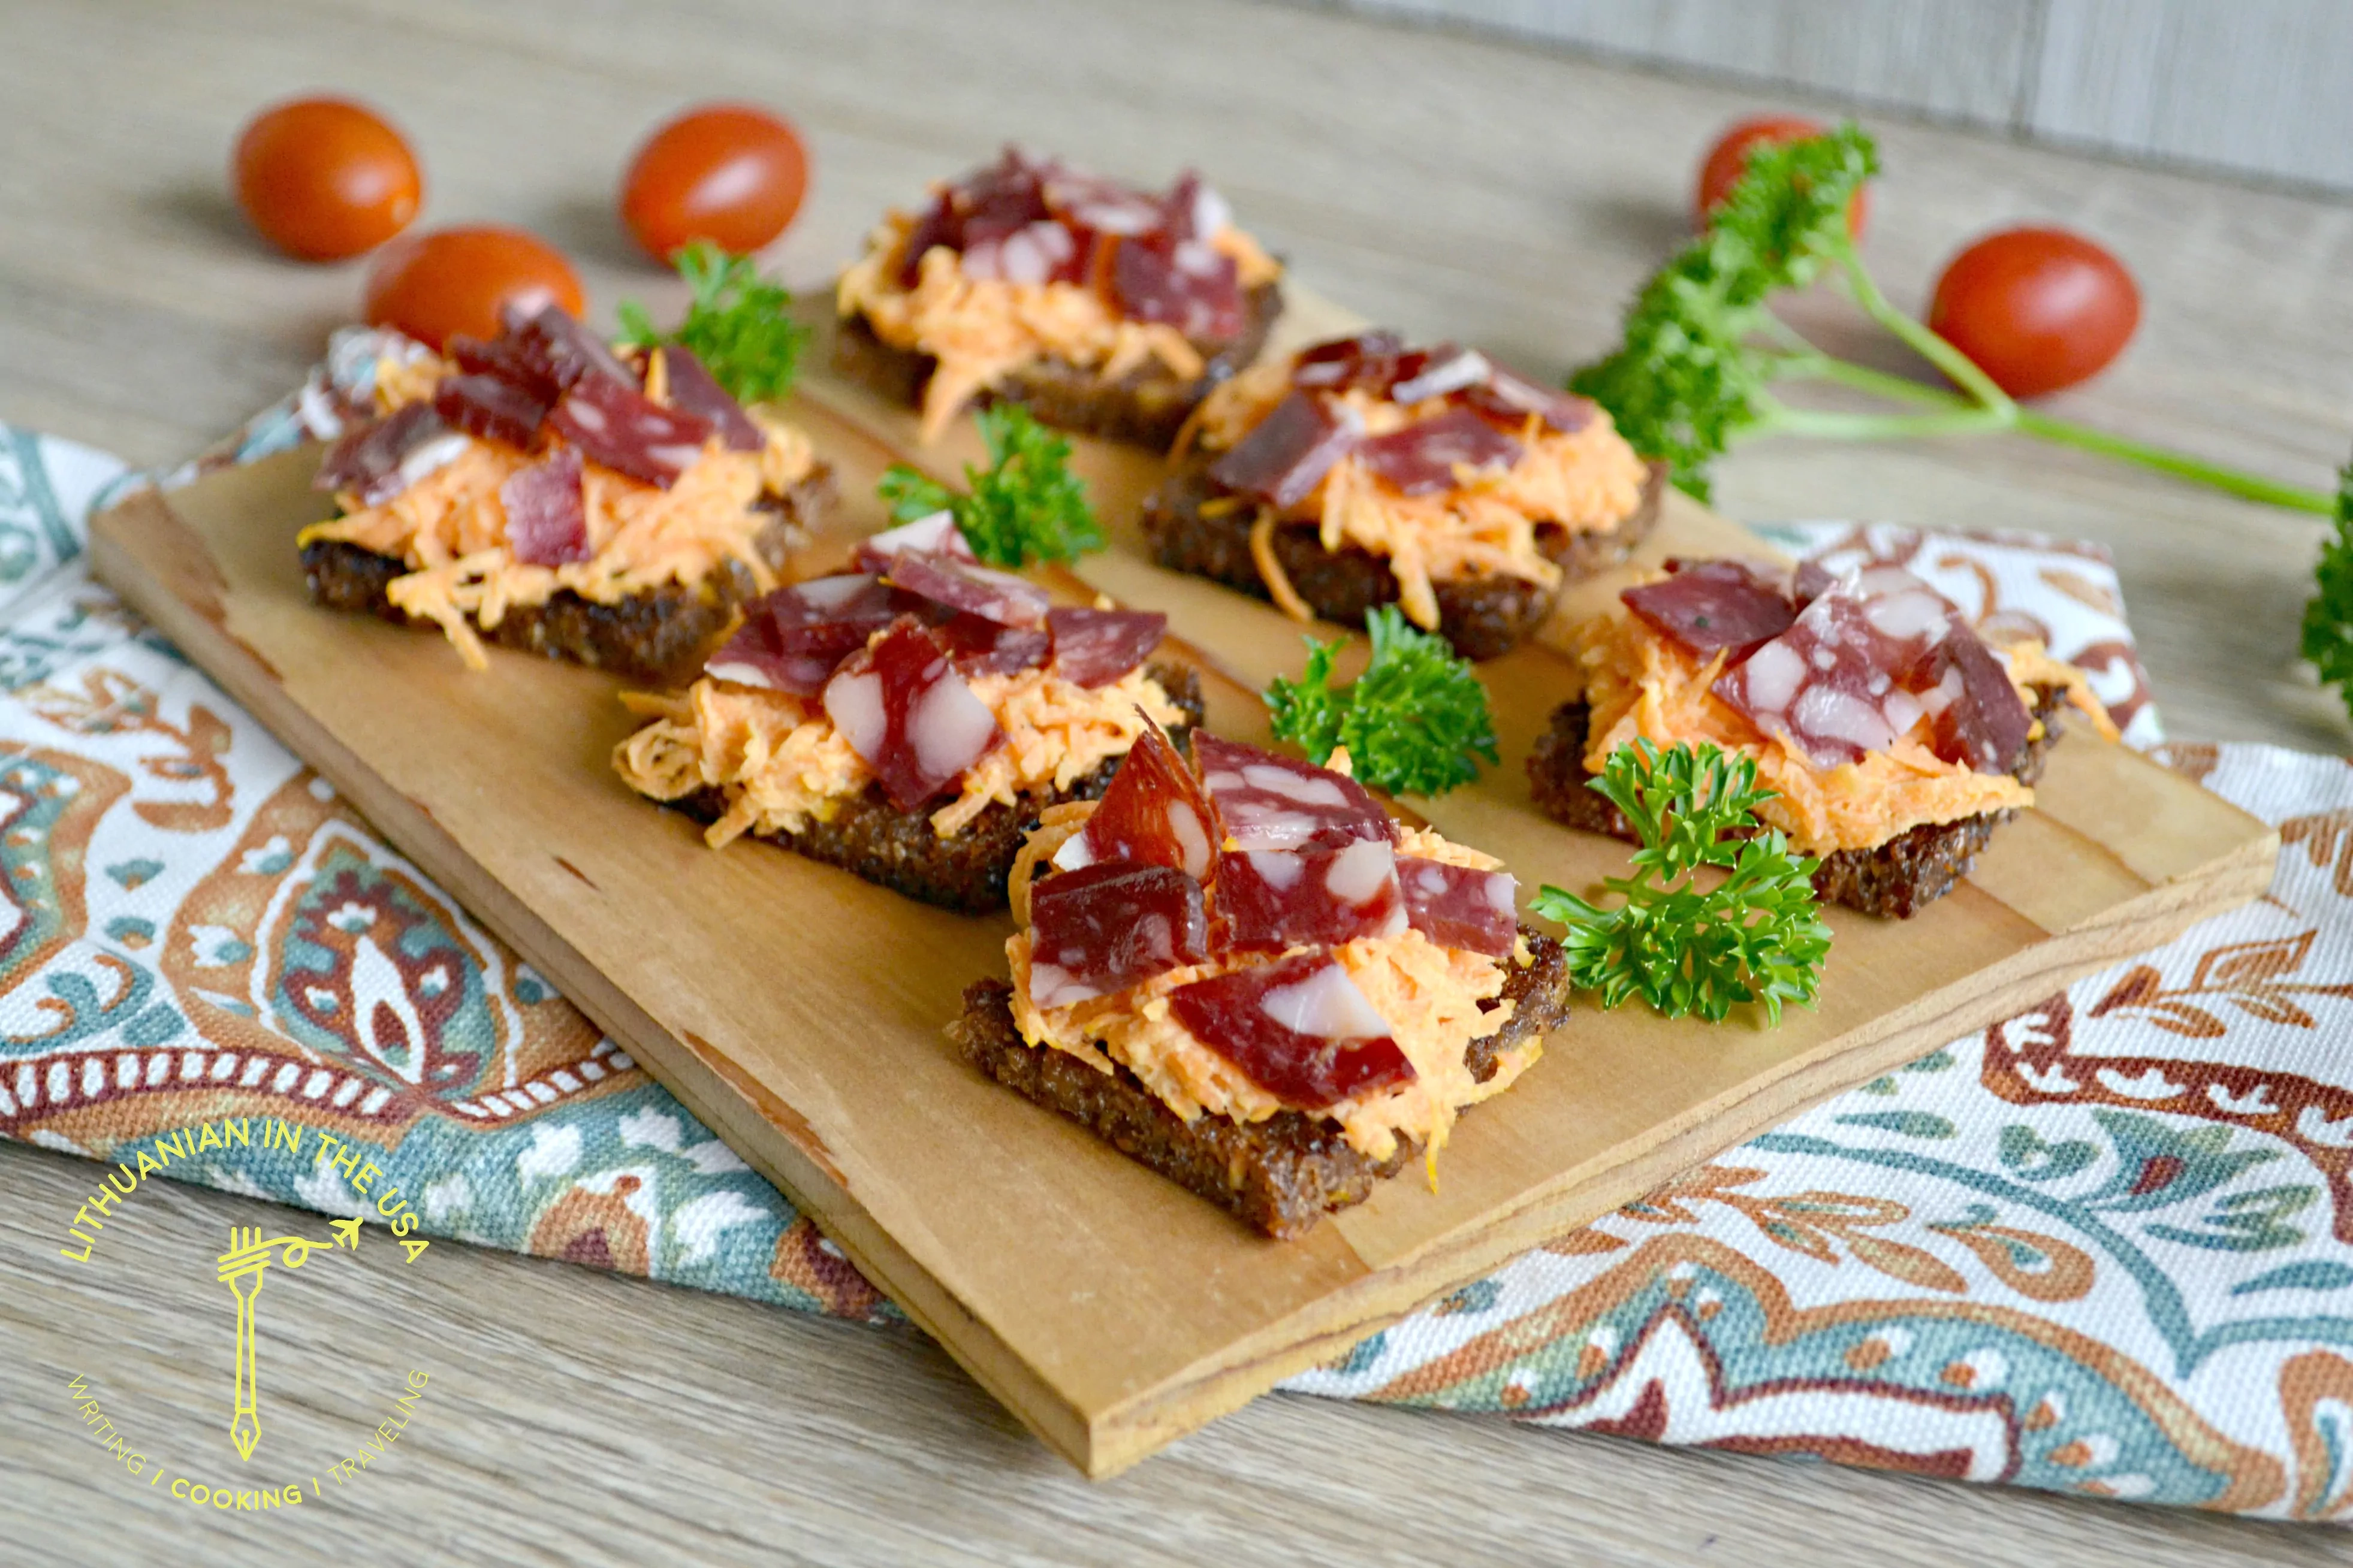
x,y
2103,1247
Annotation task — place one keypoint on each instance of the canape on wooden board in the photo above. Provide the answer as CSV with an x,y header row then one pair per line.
x,y
1360,472
1101,308
1894,737
1243,974
541,491
907,720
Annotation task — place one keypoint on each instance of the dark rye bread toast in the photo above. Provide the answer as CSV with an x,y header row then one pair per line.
x,y
1483,618
1899,878
1280,1176
1146,406
871,837
661,639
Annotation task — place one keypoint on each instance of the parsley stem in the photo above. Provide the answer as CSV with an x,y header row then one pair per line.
x,y
1922,341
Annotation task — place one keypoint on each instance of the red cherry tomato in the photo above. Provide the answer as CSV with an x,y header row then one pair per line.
x,y
323,178
1729,157
727,173
2036,308
455,281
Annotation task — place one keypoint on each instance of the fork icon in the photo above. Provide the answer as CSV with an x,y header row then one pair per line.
x,y
242,1269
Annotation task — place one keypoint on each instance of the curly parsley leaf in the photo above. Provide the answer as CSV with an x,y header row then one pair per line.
x,y
1755,936
1415,723
2327,639
739,326
1025,505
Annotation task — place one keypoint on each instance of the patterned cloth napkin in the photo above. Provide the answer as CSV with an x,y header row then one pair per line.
x,y
2104,1247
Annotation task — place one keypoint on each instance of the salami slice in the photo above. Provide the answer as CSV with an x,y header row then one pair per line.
x,y
984,648
1509,399
490,407
1287,454
1982,723
567,351
1710,605
506,358
935,536
909,716
1270,901
832,614
973,589
1369,358
547,523
1267,802
1430,455
1095,648
692,390
755,656
383,457
1298,1027
1460,907
1444,371
1191,286
1104,928
1154,814
622,429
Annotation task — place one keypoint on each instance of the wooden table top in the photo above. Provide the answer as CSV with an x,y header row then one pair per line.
x,y
1456,188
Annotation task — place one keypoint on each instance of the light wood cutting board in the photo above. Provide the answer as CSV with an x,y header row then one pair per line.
x,y
799,1011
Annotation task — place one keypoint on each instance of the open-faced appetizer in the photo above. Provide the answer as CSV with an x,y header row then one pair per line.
x,y
540,492
1100,308
1360,472
909,720
1893,737
1245,976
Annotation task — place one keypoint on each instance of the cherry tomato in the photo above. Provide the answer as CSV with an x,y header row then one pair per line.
x,y
323,178
727,173
2036,308
1729,157
455,281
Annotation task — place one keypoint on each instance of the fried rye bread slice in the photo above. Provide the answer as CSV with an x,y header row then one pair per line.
x,y
1146,406
661,639
1282,1174
1899,878
869,836
1483,617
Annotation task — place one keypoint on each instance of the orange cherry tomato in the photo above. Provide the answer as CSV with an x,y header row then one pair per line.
x,y
2036,308
435,286
727,173
1729,157
324,178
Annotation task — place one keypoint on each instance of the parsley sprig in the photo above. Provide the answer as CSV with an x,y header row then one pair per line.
x,y
1703,351
1415,723
2328,638
739,325
1025,505
1755,936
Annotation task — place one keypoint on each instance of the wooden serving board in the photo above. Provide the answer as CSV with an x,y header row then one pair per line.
x,y
799,1011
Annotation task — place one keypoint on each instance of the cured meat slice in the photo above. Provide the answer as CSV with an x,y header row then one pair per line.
x,y
1273,900
1095,648
621,427
1154,814
983,647
1104,928
1862,664
1298,1027
1267,802
831,614
385,456
490,407
1368,358
935,536
1460,906
909,716
566,352
693,391
1287,454
506,358
1427,455
1710,605
1810,581
937,227
1189,286
547,523
755,657
1444,371
1509,399
972,589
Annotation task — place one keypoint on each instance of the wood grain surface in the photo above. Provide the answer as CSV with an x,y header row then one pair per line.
x,y
1451,187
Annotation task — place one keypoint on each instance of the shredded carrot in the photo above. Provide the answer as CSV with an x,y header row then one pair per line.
x,y
1270,571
